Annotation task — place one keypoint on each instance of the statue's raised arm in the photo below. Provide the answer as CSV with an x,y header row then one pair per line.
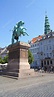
x,y
18,31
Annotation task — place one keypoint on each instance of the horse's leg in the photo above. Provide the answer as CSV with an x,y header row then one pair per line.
x,y
17,39
24,33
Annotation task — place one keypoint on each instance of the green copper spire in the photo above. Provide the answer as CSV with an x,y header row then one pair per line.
x,y
47,25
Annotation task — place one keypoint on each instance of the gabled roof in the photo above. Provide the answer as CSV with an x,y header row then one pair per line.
x,y
36,39
3,51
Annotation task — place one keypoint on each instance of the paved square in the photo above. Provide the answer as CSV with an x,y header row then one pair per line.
x,y
39,86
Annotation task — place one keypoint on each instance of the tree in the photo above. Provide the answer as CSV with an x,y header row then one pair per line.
x,y
4,60
30,57
0,60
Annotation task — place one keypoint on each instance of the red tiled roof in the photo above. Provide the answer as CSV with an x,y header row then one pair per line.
x,y
36,39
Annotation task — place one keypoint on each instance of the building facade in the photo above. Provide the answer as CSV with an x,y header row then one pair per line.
x,y
46,52
35,50
3,52
42,48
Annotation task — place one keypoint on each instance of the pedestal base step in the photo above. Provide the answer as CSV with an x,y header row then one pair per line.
x,y
14,74
22,73
26,73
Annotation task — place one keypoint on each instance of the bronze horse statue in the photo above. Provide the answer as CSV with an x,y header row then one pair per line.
x,y
18,31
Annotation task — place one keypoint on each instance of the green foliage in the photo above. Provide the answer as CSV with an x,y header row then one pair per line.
x,y
0,60
4,60
30,57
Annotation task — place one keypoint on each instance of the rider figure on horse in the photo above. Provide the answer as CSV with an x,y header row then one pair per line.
x,y
18,31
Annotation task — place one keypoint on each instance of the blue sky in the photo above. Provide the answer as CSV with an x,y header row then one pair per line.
x,y
32,12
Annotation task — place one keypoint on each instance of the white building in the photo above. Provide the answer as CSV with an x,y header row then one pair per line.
x,y
3,52
46,51
35,43
42,48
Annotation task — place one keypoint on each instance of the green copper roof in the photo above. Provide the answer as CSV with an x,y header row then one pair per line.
x,y
47,25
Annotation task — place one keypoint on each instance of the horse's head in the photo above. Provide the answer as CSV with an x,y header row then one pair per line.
x,y
19,24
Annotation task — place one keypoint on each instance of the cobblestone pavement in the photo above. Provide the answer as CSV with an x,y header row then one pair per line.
x,y
42,86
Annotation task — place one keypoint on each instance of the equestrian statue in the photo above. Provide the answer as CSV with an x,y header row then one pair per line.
x,y
18,30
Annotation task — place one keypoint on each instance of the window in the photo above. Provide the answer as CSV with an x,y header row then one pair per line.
x,y
41,63
41,43
47,47
35,44
50,54
49,40
50,61
50,47
44,62
44,54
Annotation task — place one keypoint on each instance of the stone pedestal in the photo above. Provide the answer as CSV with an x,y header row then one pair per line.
x,y
18,65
